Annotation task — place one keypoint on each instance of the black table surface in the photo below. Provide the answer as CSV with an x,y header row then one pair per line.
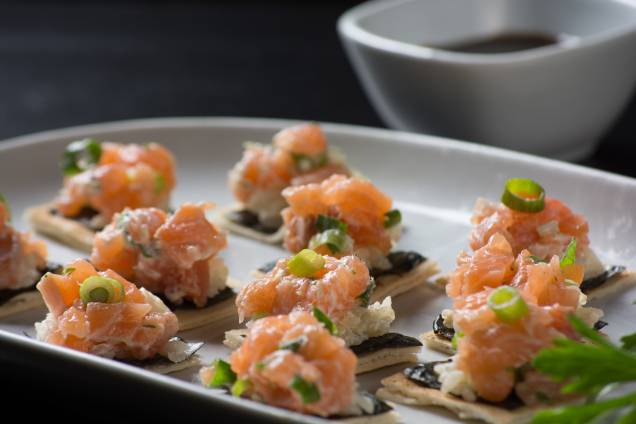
x,y
75,63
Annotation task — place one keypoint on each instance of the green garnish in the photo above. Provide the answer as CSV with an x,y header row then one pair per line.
x,y
507,304
307,390
305,263
122,224
101,289
3,200
537,260
260,366
239,386
324,223
81,155
160,183
68,270
523,195
335,240
569,258
589,369
324,319
223,374
293,345
307,163
365,296
392,218
458,335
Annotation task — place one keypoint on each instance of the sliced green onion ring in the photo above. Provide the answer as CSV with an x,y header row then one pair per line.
x,y
325,320
307,390
101,289
392,218
223,374
458,335
324,223
293,345
507,304
334,239
569,258
81,155
305,263
523,195
240,386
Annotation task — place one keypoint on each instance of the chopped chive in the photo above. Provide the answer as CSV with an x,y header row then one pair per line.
x,y
392,218
334,239
223,374
81,155
365,296
569,258
458,335
68,270
324,223
307,390
324,319
293,345
305,263
239,386
160,183
260,366
523,195
307,163
537,260
507,304
3,200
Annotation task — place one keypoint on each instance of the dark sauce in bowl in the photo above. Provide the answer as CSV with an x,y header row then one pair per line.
x,y
506,42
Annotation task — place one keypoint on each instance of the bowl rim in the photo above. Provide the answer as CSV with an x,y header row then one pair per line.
x,y
348,27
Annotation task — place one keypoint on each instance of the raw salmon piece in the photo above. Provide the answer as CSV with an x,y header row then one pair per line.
x,y
126,176
174,255
544,233
136,328
335,292
304,139
322,359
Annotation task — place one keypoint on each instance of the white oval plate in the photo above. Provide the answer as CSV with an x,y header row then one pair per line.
x,y
434,182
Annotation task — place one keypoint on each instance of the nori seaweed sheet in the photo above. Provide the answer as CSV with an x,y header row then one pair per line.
x,y
597,281
388,340
441,330
84,216
8,294
224,294
401,263
249,219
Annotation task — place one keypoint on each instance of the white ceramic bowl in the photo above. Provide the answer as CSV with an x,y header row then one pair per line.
x,y
555,100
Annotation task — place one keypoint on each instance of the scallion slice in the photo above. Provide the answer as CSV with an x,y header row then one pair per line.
x,y
306,263
507,304
523,195
3,200
334,239
239,386
160,183
458,335
101,289
392,218
324,223
80,155
293,345
537,260
569,258
324,319
365,296
307,390
223,374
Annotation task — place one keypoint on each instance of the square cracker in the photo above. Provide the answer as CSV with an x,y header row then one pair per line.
x,y
190,318
400,389
67,231
21,302
220,219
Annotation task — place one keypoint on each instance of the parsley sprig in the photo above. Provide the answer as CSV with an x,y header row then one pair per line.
x,y
589,369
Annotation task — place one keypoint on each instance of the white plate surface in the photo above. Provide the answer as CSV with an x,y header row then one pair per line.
x,y
434,182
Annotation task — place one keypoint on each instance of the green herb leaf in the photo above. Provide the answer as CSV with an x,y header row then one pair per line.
x,y
160,183
324,223
365,296
629,341
324,319
582,413
223,374
240,386
293,345
334,239
458,335
569,258
392,218
68,270
80,155
308,391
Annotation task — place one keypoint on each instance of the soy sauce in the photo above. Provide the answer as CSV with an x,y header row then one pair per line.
x,y
502,43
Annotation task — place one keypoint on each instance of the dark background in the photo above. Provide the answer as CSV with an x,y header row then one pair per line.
x,y
82,62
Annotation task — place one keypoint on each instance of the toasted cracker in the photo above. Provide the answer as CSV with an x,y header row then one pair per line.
x,y
67,231
389,417
394,285
190,318
617,283
21,302
168,367
220,219
386,357
398,388
366,362
437,343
